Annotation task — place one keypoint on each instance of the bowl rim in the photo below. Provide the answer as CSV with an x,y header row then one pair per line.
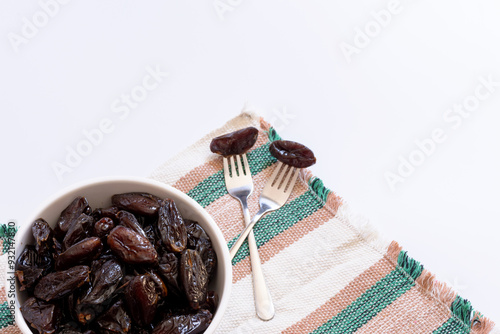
x,y
226,259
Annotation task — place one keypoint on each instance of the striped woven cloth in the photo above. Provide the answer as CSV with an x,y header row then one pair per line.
x,y
327,270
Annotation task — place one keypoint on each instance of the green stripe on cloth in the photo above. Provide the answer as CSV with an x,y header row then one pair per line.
x,y
214,187
6,318
279,221
369,304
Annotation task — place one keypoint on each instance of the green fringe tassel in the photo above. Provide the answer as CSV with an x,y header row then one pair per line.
x,y
319,188
273,135
411,266
462,309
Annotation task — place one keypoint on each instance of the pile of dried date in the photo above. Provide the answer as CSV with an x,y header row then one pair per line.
x,y
135,267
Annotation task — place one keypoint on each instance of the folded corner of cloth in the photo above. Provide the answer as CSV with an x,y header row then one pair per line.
x,y
328,270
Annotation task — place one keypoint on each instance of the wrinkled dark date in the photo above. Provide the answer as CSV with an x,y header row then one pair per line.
x,y
136,267
106,278
61,283
31,266
189,323
43,234
80,253
131,247
128,220
41,315
103,226
137,203
87,313
73,211
207,253
161,288
199,240
194,232
212,301
78,230
169,270
194,278
171,227
142,299
106,213
237,142
292,153
115,320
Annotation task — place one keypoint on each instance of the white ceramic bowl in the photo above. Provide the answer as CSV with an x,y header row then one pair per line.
x,y
99,192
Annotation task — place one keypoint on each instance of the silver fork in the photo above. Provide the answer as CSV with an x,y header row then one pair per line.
x,y
239,185
275,193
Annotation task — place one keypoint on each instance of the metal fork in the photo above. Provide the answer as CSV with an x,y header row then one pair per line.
x,y
275,193
239,185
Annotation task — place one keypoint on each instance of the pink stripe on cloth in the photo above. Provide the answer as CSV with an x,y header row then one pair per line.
x,y
10,330
3,295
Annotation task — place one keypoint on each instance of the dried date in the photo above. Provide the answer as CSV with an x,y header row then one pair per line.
x,y
161,288
109,212
43,234
194,233
73,211
169,270
142,299
194,278
61,283
171,227
184,323
128,220
115,320
78,230
80,253
237,142
106,278
42,316
131,247
138,203
31,266
103,226
212,301
207,253
292,153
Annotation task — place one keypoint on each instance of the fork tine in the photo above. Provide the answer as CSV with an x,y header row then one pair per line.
x,y
292,182
275,173
245,164
233,166
240,167
277,183
226,167
287,178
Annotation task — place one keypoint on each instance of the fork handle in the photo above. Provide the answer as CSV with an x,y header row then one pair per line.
x,y
246,231
263,302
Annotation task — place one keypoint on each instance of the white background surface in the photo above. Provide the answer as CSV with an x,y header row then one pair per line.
x,y
284,58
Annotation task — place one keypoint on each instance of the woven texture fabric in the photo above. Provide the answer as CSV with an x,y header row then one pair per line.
x,y
327,270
